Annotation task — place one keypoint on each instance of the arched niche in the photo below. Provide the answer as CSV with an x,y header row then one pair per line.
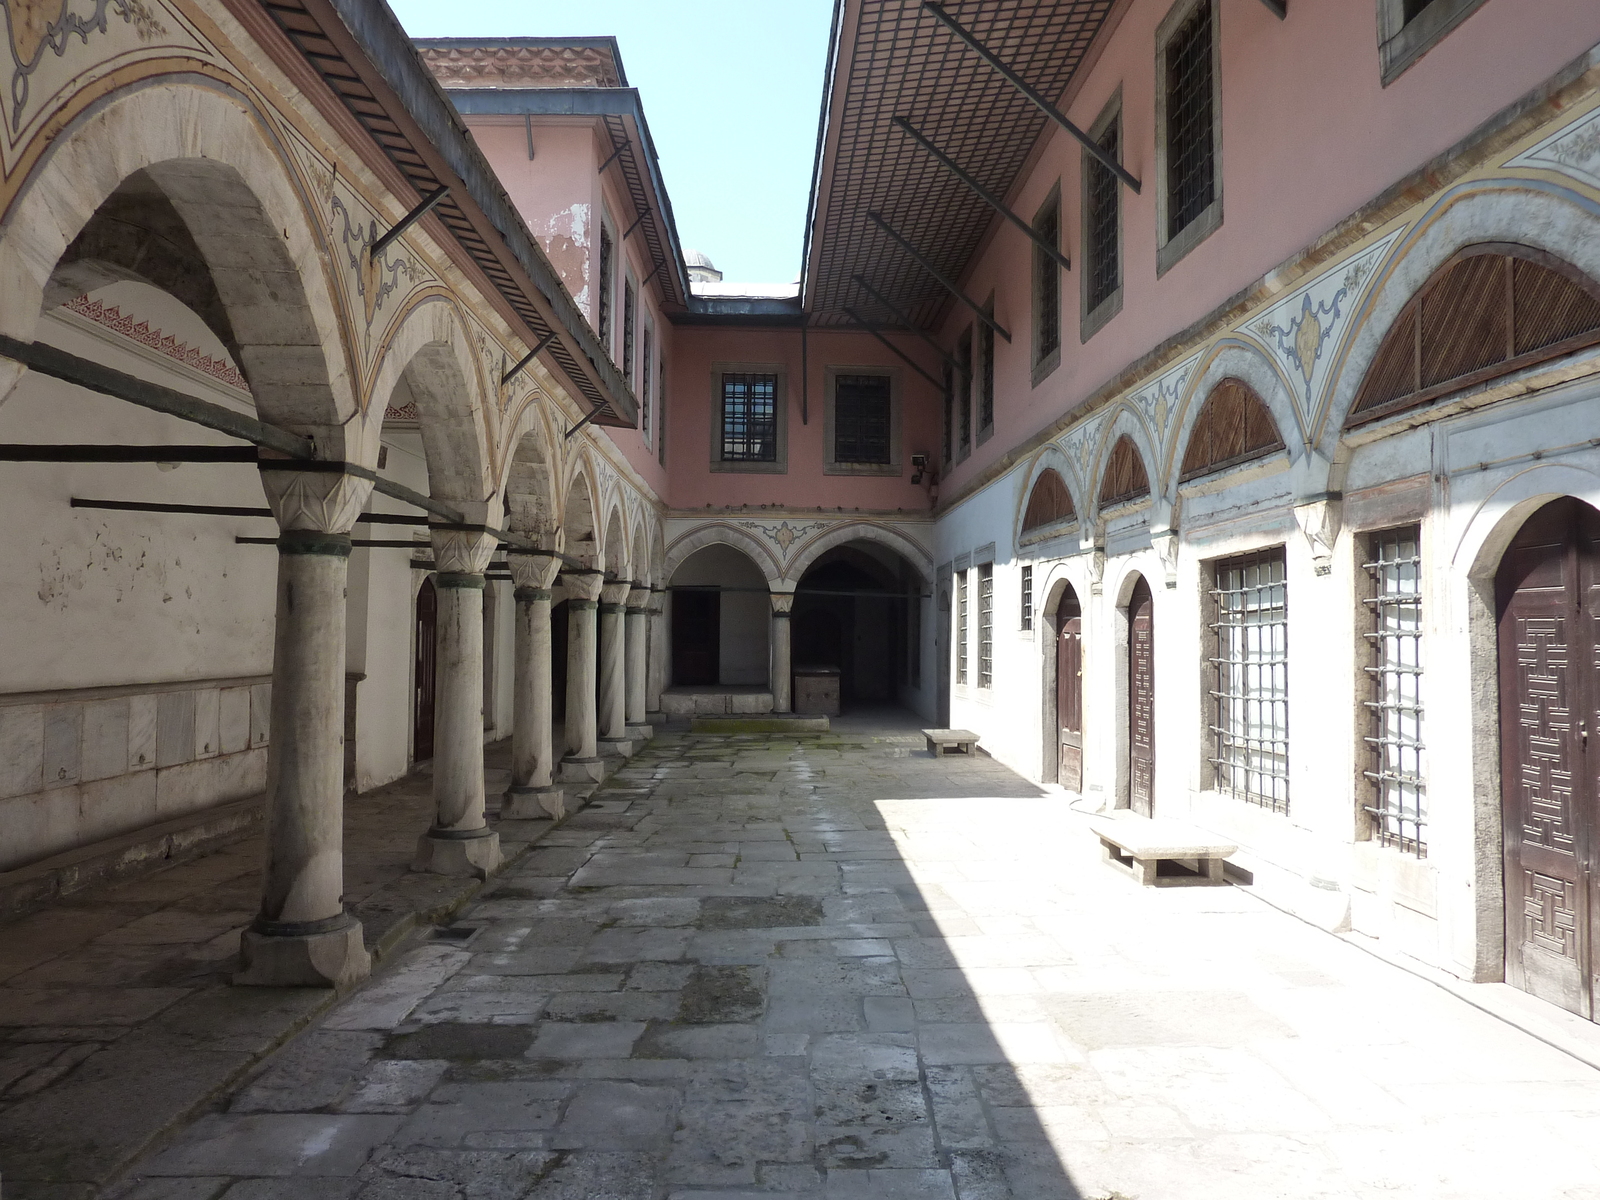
x,y
1125,479
1049,504
1233,427
719,619
577,520
615,547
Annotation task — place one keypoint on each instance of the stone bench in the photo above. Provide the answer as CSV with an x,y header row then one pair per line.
x,y
951,741
1142,846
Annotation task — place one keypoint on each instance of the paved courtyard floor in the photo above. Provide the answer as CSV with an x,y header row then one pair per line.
x,y
831,967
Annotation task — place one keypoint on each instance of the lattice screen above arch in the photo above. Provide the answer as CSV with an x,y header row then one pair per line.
x,y
1234,426
1125,478
1049,503
1492,309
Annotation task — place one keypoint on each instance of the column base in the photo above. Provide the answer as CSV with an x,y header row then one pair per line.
x,y
655,717
332,958
640,733
616,747
583,770
475,855
533,804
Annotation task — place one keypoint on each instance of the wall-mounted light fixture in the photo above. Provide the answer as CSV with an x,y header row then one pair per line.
x,y
919,465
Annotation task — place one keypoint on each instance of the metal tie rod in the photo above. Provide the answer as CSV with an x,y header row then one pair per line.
x,y
909,361
927,266
226,510
1034,95
906,321
983,193
410,219
529,357
14,452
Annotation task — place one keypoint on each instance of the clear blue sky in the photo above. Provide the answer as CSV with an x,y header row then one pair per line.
x,y
731,89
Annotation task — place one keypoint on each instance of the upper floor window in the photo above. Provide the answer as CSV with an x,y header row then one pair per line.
x,y
661,411
1408,29
748,432
1101,275
646,380
1188,139
630,316
863,418
949,413
1047,290
986,379
964,389
604,284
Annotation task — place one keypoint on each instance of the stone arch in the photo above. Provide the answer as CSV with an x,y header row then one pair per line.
x,y
858,531
1232,358
1542,216
615,546
217,162
1051,458
579,535
727,534
429,360
531,472
640,540
1126,423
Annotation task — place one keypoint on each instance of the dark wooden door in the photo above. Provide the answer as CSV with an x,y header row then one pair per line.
x,y
423,675
1141,701
1548,596
1069,691
696,638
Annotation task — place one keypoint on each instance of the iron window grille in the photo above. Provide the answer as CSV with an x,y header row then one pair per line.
x,y
961,627
1027,597
964,388
606,255
986,625
986,380
1399,799
1250,731
949,412
646,377
1102,197
861,419
630,305
749,418
1047,285
1191,163
661,419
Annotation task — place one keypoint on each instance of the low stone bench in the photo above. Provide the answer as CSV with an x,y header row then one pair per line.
x,y
951,741
1142,846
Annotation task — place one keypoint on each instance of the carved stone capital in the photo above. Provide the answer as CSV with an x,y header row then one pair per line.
x,y
461,551
638,597
10,371
583,585
324,501
1319,519
782,602
1097,570
1165,542
532,569
615,593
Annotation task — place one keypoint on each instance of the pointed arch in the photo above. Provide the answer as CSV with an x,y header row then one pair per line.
x,y
578,506
1027,524
531,472
641,551
1124,478
720,532
615,546
1243,361
1232,427
852,531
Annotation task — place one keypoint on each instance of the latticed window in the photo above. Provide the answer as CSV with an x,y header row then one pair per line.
x,y
1048,503
606,276
749,418
661,421
961,627
986,379
1125,478
1191,162
1027,597
1101,220
1047,284
630,305
949,411
1233,427
1250,725
1398,802
964,388
986,625
861,419
647,378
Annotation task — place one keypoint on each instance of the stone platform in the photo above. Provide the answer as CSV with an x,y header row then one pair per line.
x,y
690,702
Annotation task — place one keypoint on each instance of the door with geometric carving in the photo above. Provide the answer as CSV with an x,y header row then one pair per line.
x,y
1069,690
1141,701
1547,594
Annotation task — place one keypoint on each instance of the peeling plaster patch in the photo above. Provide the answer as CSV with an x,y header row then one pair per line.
x,y
125,567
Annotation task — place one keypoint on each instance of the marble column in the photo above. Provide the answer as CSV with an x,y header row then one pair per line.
x,y
613,713
780,673
532,793
302,936
638,622
582,762
656,665
460,841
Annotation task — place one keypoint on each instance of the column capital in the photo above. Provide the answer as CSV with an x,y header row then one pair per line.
x,y
638,598
462,550
318,497
583,584
615,591
533,568
782,603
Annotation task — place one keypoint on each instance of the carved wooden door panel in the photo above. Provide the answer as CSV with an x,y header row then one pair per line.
x,y
1069,691
422,675
1549,690
1141,701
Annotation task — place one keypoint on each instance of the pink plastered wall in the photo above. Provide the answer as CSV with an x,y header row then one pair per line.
x,y
804,484
1309,135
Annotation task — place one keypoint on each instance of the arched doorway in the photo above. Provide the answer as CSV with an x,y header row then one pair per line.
x,y
423,675
1069,690
852,612
720,618
1141,700
1547,599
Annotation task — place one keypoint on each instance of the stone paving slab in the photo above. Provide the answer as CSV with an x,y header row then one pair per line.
x,y
946,1008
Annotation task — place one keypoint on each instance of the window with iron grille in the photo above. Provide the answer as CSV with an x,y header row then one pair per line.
x,y
961,627
861,415
1046,290
949,411
749,417
606,269
1250,714
1397,802
1027,597
1408,29
661,419
964,389
1102,217
986,379
630,304
986,625
646,378
1189,198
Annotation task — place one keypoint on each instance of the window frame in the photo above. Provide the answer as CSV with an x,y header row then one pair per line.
x,y
947,445
1091,321
964,373
1222,725
661,407
985,626
985,352
831,465
780,410
1171,250
647,346
1386,824
605,272
1045,361
1025,599
630,326
1402,43
960,617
